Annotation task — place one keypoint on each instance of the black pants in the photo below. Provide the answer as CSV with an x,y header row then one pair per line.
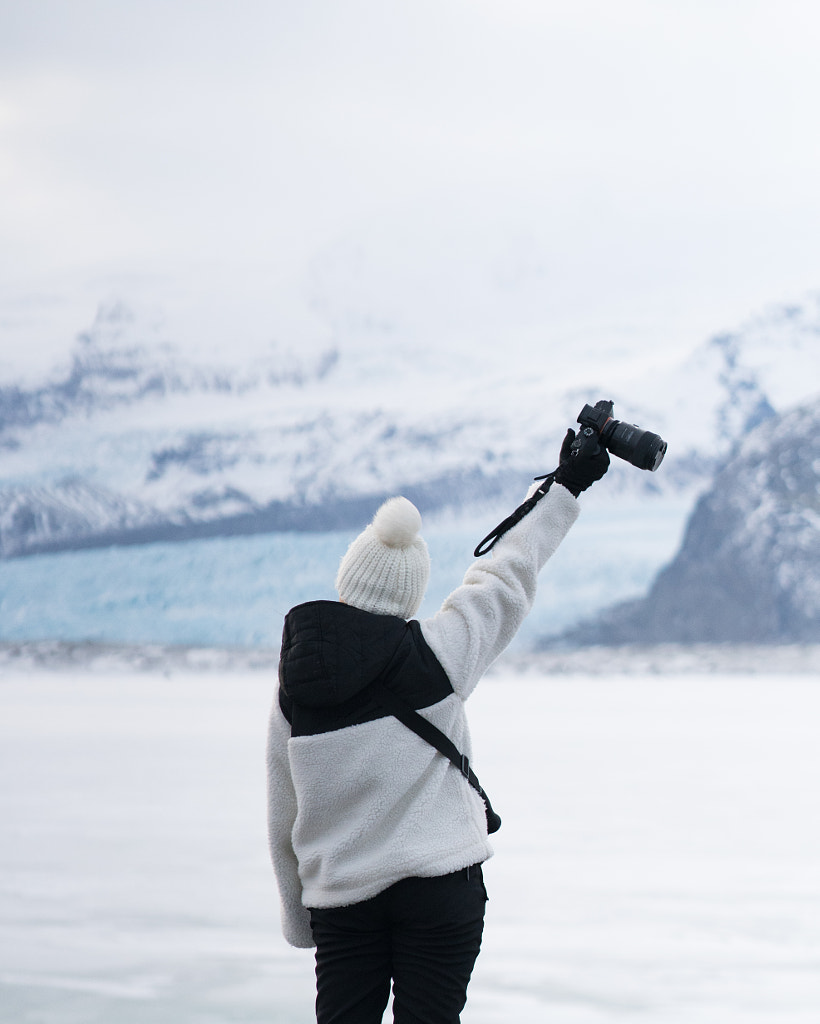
x,y
424,933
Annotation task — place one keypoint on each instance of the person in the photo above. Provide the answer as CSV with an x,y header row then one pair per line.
x,y
377,841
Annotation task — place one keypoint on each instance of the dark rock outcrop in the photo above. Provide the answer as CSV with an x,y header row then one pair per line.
x,y
748,569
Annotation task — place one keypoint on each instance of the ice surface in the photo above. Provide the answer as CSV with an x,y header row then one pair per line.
x,y
657,862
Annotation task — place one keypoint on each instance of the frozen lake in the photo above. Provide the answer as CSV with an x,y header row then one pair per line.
x,y
659,861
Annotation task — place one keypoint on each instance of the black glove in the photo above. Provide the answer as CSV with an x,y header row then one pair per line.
x,y
583,461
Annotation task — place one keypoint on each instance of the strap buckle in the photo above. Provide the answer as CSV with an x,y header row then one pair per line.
x,y
465,766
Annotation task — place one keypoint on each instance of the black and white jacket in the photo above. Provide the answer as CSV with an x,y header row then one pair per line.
x,y
356,801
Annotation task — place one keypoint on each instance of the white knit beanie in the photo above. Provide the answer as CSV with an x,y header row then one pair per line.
x,y
386,568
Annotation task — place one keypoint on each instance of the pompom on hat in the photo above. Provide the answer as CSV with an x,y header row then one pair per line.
x,y
386,568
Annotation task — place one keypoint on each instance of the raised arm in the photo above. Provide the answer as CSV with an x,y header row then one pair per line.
x,y
480,618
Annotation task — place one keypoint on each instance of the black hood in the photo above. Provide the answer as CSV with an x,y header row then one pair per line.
x,y
331,651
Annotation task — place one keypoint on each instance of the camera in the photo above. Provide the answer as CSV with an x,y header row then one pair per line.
x,y
638,447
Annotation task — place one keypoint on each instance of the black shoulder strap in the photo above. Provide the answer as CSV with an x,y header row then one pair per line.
x,y
436,738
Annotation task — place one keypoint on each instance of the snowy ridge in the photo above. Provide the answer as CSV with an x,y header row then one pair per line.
x,y
42,518
62,655
309,440
122,360
596,660
670,659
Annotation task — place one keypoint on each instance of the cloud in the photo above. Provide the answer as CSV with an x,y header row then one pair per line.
x,y
657,157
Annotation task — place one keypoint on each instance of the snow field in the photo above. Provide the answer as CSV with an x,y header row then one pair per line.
x,y
658,859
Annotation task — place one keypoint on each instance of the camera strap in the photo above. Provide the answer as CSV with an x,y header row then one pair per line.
x,y
523,509
436,738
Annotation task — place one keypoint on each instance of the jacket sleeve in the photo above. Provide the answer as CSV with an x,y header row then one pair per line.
x,y
480,618
281,817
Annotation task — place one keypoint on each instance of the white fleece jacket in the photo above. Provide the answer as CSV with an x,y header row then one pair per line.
x,y
352,811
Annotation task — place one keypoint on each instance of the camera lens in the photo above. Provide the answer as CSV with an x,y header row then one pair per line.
x,y
639,447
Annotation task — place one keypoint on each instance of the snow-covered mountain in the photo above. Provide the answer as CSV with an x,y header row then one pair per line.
x,y
131,440
749,566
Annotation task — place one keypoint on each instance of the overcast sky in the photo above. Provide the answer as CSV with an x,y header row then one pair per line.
x,y
581,172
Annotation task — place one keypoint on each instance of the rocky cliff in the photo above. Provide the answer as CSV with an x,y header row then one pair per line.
x,y
749,565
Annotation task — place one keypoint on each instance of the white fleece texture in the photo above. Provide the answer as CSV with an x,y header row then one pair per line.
x,y
355,810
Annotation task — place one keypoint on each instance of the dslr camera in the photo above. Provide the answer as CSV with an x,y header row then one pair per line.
x,y
638,447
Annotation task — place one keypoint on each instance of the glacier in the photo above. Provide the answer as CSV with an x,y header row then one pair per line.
x,y
211,476
235,591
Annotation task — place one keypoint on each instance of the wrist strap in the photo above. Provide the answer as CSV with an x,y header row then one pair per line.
x,y
489,541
